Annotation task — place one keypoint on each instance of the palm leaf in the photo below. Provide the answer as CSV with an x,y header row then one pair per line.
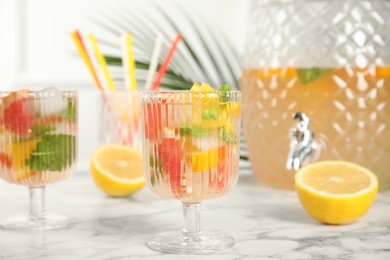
x,y
216,61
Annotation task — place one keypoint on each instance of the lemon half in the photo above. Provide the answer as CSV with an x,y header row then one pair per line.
x,y
117,169
336,192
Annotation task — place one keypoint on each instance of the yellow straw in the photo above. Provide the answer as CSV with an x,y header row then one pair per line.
x,y
129,57
102,62
81,48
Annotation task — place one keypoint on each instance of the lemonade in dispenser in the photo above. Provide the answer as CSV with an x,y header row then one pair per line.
x,y
316,86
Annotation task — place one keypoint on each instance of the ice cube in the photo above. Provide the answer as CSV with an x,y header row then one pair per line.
x,y
51,102
206,143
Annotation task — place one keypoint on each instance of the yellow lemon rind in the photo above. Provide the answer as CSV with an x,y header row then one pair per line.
x,y
111,184
336,209
372,176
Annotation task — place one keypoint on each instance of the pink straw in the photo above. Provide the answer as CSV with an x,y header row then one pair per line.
x,y
163,69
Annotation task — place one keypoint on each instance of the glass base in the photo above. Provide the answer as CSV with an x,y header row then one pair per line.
x,y
49,221
202,244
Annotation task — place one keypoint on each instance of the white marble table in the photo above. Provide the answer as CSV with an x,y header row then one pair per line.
x,y
267,224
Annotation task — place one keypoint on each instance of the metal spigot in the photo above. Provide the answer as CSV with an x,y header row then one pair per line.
x,y
303,148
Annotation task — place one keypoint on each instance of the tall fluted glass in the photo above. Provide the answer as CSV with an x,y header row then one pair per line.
x,y
119,117
38,145
191,154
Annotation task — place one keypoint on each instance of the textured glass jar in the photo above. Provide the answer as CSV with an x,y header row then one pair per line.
x,y
329,61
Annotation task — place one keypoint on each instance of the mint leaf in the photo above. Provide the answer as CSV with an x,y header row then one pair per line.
x,y
39,130
53,153
157,165
71,111
309,75
223,89
154,163
185,130
210,114
230,138
197,132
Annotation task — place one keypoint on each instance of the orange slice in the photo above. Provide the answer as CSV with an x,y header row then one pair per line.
x,y
21,151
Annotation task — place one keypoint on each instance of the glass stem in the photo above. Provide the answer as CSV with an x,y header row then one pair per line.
x,y
37,203
191,225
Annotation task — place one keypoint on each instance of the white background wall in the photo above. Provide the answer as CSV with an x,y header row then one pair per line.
x,y
36,50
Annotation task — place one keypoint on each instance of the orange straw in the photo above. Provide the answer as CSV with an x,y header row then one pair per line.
x,y
164,66
78,40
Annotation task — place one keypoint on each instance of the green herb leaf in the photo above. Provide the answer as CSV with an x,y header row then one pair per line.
x,y
71,111
227,137
197,132
223,89
211,114
39,130
309,75
53,153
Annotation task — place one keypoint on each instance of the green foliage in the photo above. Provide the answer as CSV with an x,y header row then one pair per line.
x,y
196,131
41,129
211,114
309,75
53,153
204,54
71,111
223,89
228,137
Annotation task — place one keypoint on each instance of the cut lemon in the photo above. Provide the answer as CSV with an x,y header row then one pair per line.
x,y
204,87
203,94
336,192
117,170
195,87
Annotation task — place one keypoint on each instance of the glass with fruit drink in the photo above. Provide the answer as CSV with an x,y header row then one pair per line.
x,y
116,164
191,153
119,118
38,144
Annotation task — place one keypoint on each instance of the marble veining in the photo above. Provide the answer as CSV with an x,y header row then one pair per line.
x,y
266,223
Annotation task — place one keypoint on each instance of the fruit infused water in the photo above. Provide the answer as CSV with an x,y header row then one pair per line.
x,y
191,142
38,145
349,115
38,132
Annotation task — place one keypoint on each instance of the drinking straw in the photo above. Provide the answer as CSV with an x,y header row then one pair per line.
x,y
78,40
154,61
128,61
165,64
95,63
102,62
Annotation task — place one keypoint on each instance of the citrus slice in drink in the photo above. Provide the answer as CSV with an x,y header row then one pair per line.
x,y
198,97
21,151
204,87
336,192
117,169
204,160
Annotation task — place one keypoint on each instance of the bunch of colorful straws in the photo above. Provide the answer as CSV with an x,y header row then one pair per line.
x,y
89,50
